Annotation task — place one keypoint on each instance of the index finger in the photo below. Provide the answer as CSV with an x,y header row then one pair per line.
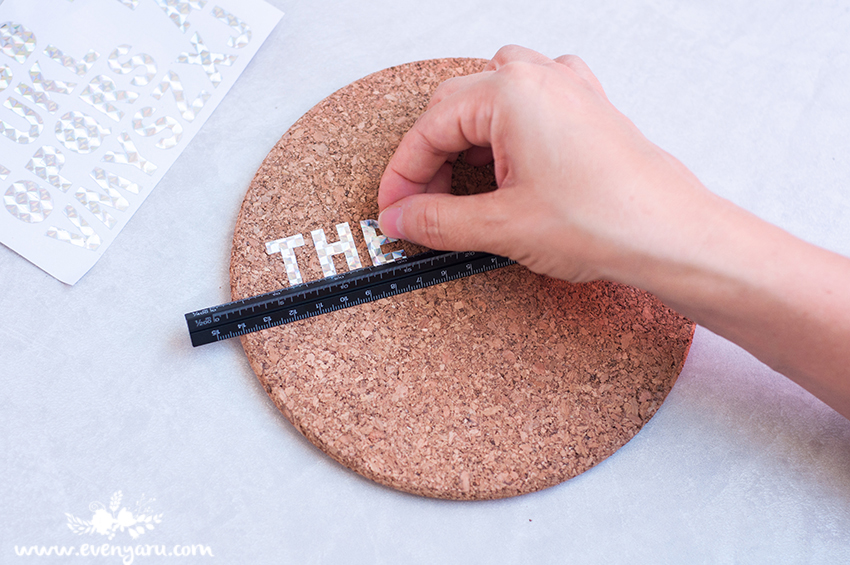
x,y
454,124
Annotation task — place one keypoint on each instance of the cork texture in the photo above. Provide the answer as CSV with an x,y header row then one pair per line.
x,y
494,385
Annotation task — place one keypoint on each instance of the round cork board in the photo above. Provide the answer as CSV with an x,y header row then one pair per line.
x,y
490,386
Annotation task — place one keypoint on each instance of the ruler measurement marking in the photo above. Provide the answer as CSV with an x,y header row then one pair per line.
x,y
311,299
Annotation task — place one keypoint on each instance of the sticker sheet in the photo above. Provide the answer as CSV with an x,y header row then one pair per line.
x,y
97,99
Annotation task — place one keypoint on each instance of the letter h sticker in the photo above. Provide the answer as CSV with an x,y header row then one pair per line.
x,y
345,246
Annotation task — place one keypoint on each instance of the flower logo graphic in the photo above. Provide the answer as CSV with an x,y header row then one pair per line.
x,y
107,522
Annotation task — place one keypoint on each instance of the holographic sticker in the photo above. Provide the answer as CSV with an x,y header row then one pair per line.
x,y
206,59
80,133
34,120
129,156
326,250
375,241
16,41
80,68
101,92
87,238
28,202
46,164
163,123
244,37
172,81
178,10
142,60
95,202
5,77
108,180
286,248
92,95
38,94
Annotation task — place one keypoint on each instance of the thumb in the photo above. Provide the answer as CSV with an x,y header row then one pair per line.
x,y
448,222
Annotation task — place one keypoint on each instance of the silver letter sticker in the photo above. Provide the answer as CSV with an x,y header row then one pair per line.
x,y
286,248
375,241
345,246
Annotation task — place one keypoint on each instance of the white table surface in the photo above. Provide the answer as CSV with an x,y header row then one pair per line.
x,y
101,390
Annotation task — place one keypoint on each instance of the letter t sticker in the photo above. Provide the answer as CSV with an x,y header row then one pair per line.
x,y
286,248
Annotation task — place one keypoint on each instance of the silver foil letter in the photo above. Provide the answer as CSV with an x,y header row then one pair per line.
x,y
178,10
108,180
286,248
142,60
172,81
87,238
244,37
28,202
129,155
101,92
163,123
33,119
206,59
95,201
345,246
80,68
375,241
80,133
5,77
46,164
38,94
16,41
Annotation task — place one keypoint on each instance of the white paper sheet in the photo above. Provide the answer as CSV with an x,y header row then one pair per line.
x,y
98,98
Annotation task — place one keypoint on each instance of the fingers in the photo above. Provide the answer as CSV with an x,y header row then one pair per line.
x,y
452,85
457,123
478,156
580,68
514,53
448,222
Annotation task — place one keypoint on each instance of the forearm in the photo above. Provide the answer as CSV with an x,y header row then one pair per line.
x,y
785,301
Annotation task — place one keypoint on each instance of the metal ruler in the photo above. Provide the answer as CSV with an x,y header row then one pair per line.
x,y
334,293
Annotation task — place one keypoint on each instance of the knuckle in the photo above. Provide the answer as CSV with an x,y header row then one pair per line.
x,y
442,92
570,59
505,54
430,226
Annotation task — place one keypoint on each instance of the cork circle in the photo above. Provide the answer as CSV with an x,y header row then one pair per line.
x,y
495,385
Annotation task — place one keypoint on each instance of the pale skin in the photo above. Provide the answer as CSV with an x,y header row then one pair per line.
x,y
583,195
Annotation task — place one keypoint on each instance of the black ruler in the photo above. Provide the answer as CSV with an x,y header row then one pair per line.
x,y
334,293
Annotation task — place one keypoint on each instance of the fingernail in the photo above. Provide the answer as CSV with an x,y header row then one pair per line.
x,y
390,222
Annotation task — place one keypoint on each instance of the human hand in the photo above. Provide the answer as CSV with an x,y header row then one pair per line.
x,y
582,193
